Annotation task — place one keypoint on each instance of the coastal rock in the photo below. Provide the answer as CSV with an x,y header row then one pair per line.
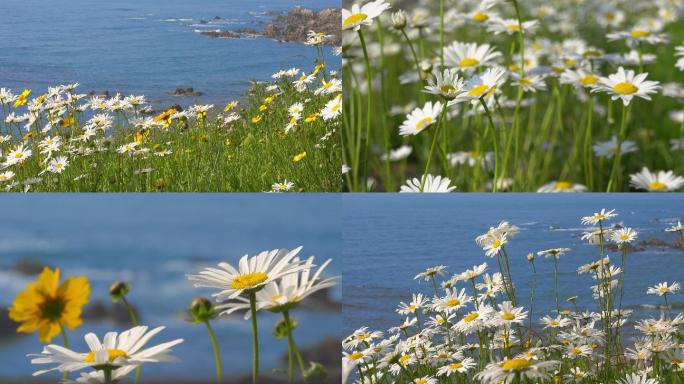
x,y
232,34
295,25
28,267
8,328
185,92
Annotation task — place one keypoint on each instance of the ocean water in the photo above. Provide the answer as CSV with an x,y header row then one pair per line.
x,y
389,239
153,241
148,47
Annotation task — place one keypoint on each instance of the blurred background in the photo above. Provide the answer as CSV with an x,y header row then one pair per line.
x,y
153,241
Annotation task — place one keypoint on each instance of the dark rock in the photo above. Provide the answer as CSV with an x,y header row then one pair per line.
x,y
217,18
239,33
296,24
117,313
28,267
8,328
326,352
185,92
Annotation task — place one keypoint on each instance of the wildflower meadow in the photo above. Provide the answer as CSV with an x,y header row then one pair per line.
x,y
474,326
282,136
494,95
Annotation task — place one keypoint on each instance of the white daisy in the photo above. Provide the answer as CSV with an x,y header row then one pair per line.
x,y
433,184
362,15
115,351
469,56
662,181
420,118
562,186
625,85
482,85
252,274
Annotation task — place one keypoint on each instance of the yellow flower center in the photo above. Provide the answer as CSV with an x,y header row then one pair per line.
x,y
424,123
515,364
248,280
113,354
563,185
624,237
625,88
336,107
479,90
455,366
468,62
355,356
448,89
480,17
554,323
508,316
412,308
657,186
354,19
589,80
404,359
472,316
663,290
570,62
18,155
576,351
453,302
496,243
639,33
514,27
420,381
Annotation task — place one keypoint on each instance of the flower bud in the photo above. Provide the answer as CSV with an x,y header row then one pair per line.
x,y
399,19
202,310
119,290
530,257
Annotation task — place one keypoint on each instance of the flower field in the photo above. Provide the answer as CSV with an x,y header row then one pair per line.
x,y
281,137
474,326
493,95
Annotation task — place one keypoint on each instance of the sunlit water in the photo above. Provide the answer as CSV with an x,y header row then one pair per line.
x,y
153,242
148,47
389,239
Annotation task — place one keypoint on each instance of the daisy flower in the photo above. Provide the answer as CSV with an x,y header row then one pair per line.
x,y
598,217
482,85
18,155
360,336
626,85
431,272
115,351
557,322
332,109
494,244
675,228
288,291
510,26
577,351
609,148
283,186
46,305
561,186
663,289
461,366
362,15
507,370
511,315
553,252
662,181
452,301
638,379
433,184
623,235
253,273
57,165
469,56
420,118
446,84
639,34
398,154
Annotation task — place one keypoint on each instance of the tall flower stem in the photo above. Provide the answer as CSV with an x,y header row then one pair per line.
x,y
293,347
255,338
441,33
65,342
365,147
555,282
432,147
134,320
588,155
217,353
107,375
618,154
495,144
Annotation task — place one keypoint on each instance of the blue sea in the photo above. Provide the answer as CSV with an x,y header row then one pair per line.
x,y
148,47
388,239
153,241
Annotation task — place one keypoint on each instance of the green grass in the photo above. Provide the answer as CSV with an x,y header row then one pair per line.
x,y
206,155
544,143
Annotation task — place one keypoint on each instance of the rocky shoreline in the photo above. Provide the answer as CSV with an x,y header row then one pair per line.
x,y
292,26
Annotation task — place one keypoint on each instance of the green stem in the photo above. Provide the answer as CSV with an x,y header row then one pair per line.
x,y
293,347
366,139
588,154
441,33
107,375
432,148
618,155
496,146
255,337
65,342
134,320
217,353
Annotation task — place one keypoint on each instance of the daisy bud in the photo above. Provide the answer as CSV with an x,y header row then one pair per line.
x,y
316,370
426,66
399,19
202,310
118,290
282,328
530,257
